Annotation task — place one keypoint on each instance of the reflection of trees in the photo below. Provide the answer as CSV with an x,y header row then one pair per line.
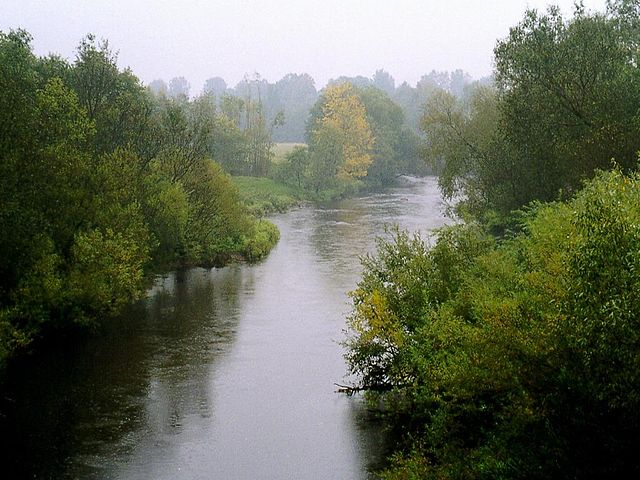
x,y
88,401
194,324
375,441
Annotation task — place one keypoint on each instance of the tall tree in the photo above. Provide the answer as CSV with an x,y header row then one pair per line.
x,y
385,82
341,141
114,100
567,102
215,86
570,98
179,87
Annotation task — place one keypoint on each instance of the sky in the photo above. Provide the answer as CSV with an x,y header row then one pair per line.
x,y
199,39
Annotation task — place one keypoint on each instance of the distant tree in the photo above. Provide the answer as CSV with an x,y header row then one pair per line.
x,y
179,87
357,81
294,95
385,82
256,126
159,87
232,107
228,145
458,81
386,120
407,98
215,86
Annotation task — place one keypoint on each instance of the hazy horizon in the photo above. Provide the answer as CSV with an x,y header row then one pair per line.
x,y
200,39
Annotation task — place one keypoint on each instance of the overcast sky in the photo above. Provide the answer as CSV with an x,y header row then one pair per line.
x,y
199,39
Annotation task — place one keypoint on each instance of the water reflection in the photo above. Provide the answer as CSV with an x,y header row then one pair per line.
x,y
74,412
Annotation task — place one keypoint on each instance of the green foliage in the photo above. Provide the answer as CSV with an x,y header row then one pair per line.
x,y
100,182
106,272
166,208
395,148
566,101
216,220
293,169
264,195
262,239
516,359
113,100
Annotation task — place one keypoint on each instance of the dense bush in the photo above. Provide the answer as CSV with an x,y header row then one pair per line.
x,y
511,359
262,239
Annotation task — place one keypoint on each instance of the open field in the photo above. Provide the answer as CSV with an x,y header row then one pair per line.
x,y
282,149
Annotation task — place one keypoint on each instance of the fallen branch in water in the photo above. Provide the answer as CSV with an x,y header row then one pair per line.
x,y
352,389
348,389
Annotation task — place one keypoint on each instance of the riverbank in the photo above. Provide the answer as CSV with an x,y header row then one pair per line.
x,y
264,196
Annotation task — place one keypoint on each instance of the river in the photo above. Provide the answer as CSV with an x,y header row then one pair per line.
x,y
218,374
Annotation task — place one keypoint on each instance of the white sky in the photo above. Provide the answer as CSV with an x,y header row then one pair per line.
x,y
199,39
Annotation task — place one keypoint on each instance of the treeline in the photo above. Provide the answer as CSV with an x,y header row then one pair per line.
x,y
363,132
284,105
372,111
510,347
356,137
293,96
101,183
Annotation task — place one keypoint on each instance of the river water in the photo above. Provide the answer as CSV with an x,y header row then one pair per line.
x,y
218,374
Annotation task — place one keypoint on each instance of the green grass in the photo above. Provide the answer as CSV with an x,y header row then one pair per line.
x,y
280,150
263,195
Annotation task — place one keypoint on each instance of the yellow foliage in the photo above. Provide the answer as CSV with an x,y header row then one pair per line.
x,y
345,117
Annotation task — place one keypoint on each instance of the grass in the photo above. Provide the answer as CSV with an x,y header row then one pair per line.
x,y
263,195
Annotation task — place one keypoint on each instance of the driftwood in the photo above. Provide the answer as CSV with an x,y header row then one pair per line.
x,y
353,389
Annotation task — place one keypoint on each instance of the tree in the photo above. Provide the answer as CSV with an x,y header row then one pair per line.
x,y
466,147
228,145
294,95
95,75
215,86
569,96
566,102
159,87
386,120
385,82
179,88
341,140
294,169
114,100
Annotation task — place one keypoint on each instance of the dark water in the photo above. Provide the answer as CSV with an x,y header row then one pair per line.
x,y
219,374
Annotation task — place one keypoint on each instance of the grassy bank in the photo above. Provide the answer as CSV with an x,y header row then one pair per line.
x,y
263,195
